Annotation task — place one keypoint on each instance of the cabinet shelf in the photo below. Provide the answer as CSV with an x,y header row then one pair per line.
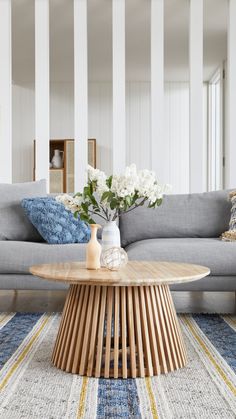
x,y
62,180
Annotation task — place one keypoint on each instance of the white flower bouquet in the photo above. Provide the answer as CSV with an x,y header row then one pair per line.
x,y
109,196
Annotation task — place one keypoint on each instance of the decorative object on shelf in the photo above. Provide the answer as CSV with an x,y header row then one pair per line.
x,y
114,258
62,180
93,249
109,196
230,235
57,160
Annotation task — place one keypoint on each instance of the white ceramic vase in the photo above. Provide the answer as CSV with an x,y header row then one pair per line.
x,y
57,160
110,235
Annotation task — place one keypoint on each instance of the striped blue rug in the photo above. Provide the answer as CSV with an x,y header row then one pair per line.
x,y
30,387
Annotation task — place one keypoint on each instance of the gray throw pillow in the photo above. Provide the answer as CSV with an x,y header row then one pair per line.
x,y
14,224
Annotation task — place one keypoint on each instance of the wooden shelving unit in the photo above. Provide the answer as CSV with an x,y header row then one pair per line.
x,y
62,180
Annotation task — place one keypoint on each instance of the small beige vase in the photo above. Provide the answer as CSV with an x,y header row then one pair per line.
x,y
93,249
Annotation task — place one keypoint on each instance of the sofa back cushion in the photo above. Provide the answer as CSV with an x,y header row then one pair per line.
x,y
14,224
193,215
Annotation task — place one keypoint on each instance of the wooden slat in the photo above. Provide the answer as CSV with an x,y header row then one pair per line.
x,y
62,324
151,327
138,331
87,330
61,346
171,331
80,94
131,336
116,331
145,333
67,344
177,329
159,338
108,332
6,92
101,332
75,329
79,341
196,126
163,329
42,90
92,346
118,84
124,332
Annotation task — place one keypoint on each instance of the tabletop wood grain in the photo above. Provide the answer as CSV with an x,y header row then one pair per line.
x,y
135,273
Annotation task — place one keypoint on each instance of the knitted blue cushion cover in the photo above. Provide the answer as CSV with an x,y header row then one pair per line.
x,y
54,222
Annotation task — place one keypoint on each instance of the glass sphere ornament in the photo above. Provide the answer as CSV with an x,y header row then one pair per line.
x,y
114,258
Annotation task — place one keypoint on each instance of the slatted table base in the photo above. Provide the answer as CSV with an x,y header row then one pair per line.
x,y
116,332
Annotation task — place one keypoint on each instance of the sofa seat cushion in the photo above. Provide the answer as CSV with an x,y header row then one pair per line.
x,y
217,255
17,257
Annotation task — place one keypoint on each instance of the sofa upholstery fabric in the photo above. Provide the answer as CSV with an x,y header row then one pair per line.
x,y
14,224
17,257
193,215
217,255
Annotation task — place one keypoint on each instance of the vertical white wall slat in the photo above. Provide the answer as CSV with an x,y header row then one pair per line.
x,y
197,159
118,44
42,112
159,152
230,146
5,93
80,93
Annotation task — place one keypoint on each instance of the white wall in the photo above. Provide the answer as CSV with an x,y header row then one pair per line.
x,y
100,126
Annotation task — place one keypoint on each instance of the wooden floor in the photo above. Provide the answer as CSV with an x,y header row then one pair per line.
x,y
49,301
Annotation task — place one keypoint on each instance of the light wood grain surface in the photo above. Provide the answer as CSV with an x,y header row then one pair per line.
x,y
135,273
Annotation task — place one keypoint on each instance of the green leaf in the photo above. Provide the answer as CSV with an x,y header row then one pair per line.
x,y
109,182
84,217
128,200
87,192
105,195
91,221
84,206
76,213
94,202
78,194
113,203
111,196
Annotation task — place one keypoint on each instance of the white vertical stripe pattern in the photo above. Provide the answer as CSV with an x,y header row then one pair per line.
x,y
159,152
80,93
197,169
231,105
118,44
42,113
5,93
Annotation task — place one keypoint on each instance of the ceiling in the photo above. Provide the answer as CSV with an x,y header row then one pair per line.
x,y
138,13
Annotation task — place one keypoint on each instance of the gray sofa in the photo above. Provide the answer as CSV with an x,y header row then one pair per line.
x,y
186,228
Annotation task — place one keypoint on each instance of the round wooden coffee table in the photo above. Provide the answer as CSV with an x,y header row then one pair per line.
x,y
120,323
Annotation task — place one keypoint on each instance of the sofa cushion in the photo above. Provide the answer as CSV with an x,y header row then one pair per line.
x,y
14,224
217,255
54,222
194,215
17,257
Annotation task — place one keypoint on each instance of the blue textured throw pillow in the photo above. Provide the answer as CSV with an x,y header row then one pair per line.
x,y
54,222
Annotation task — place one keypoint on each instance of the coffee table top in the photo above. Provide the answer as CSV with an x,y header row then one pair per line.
x,y
135,273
